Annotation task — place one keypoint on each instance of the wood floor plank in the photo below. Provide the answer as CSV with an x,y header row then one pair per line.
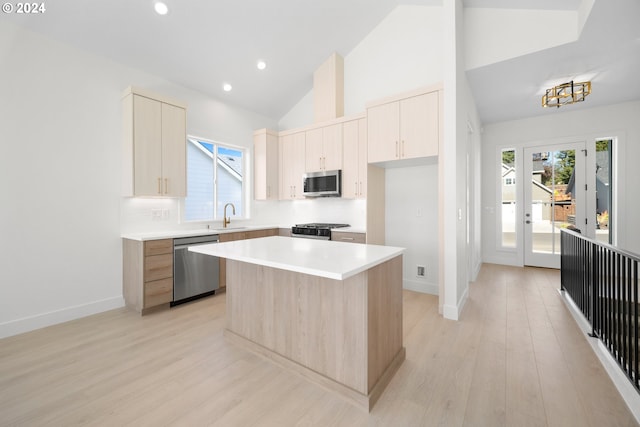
x,y
515,358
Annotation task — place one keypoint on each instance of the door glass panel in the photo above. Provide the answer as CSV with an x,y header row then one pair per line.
x,y
604,190
553,205
508,177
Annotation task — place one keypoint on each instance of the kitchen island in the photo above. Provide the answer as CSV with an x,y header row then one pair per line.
x,y
330,311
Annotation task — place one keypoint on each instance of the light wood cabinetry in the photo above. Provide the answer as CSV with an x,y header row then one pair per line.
x,y
328,89
354,170
345,236
323,148
240,235
405,128
147,274
292,164
154,145
265,165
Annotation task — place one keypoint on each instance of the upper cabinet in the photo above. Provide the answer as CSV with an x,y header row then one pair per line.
x,y
292,163
154,162
323,148
404,128
265,166
354,171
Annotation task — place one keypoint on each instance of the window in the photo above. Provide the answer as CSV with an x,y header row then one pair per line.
x,y
508,198
604,190
215,177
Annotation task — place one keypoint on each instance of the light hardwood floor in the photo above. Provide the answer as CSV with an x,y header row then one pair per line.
x,y
516,358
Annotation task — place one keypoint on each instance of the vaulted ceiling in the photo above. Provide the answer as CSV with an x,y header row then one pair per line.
x,y
203,44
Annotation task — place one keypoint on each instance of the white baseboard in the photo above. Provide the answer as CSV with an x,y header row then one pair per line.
x,y
26,324
453,312
626,390
425,288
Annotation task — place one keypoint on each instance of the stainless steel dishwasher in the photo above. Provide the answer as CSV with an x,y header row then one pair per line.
x,y
194,275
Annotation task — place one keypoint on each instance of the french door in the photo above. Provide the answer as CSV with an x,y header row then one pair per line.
x,y
555,197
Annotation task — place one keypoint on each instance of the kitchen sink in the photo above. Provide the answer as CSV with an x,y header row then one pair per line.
x,y
228,228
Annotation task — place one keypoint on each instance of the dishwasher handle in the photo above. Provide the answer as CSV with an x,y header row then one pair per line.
x,y
193,244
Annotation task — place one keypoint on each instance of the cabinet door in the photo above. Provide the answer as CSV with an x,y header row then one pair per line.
x,y
332,147
147,137
350,172
174,151
313,150
265,166
383,129
297,165
292,165
419,126
362,158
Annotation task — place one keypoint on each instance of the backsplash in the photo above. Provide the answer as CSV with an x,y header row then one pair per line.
x,y
139,215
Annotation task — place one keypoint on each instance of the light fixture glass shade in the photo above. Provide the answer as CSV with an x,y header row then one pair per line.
x,y
566,93
161,8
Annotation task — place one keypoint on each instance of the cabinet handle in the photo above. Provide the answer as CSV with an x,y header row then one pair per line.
x,y
166,186
397,149
268,191
320,163
346,238
159,185
402,148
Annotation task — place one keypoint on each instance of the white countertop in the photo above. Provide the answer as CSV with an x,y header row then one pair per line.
x,y
172,234
324,258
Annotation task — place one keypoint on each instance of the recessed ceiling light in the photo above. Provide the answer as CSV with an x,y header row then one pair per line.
x,y
261,65
161,8
227,87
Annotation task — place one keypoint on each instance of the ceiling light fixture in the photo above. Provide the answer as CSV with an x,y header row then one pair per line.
x,y
261,65
566,93
227,87
161,8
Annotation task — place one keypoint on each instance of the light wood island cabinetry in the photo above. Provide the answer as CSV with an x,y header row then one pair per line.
x,y
147,274
240,235
329,311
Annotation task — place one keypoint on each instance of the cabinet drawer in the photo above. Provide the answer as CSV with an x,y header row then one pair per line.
x,y
158,267
157,247
158,292
341,236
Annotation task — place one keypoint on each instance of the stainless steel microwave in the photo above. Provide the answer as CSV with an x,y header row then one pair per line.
x,y
322,184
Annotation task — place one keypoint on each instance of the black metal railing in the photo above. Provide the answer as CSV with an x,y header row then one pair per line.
x,y
603,282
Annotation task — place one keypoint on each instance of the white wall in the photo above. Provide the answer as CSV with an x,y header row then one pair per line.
x,y
402,53
60,166
494,35
412,222
619,120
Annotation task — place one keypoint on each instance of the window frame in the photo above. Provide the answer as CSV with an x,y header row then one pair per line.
x,y
245,191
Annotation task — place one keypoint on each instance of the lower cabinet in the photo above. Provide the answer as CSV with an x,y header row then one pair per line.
x,y
240,235
147,281
345,236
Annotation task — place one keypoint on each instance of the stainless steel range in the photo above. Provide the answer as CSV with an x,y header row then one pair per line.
x,y
315,230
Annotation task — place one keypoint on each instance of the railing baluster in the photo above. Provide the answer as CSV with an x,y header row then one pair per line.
x,y
603,282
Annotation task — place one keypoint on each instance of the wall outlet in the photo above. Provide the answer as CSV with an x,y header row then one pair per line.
x,y
421,270
156,214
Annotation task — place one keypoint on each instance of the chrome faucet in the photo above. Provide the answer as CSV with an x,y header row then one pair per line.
x,y
226,221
